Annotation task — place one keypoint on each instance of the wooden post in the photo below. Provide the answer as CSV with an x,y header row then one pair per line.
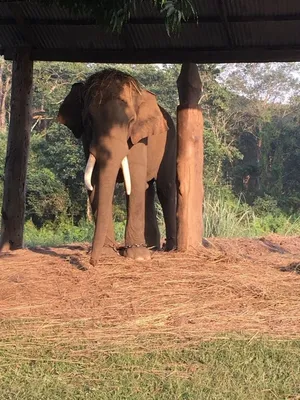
x,y
13,207
189,159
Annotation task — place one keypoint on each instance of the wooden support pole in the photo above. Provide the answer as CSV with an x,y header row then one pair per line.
x,y
13,207
189,159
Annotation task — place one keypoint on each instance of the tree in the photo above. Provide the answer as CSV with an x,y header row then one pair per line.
x,y
5,84
266,107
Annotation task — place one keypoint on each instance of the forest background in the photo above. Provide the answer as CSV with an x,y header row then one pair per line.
x,y
251,147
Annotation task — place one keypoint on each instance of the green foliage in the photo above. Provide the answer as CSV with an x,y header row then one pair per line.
x,y
120,231
280,224
55,234
115,13
266,205
46,198
62,154
281,160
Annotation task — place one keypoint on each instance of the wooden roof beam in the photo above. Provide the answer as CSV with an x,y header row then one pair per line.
x,y
148,56
141,21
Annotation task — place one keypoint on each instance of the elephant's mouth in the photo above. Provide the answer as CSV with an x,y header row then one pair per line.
x,y
90,168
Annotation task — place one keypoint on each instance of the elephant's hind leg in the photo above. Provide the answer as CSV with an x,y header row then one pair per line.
x,y
167,197
152,234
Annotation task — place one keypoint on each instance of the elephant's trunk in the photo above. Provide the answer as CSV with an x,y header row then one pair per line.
x,y
111,154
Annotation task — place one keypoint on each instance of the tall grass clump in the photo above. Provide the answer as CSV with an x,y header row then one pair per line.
x,y
226,216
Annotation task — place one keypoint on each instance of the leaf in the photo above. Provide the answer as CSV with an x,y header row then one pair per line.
x,y
170,11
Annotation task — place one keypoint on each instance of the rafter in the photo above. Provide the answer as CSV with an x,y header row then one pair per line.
x,y
175,55
141,21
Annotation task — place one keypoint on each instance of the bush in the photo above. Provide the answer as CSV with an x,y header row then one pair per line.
x,y
54,235
46,198
265,205
280,224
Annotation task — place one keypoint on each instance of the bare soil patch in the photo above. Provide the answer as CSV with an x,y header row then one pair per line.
x,y
231,285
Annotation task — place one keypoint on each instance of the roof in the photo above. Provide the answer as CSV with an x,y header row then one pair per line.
x,y
226,31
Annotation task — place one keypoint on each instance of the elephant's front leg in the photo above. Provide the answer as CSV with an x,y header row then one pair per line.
x,y
135,228
110,245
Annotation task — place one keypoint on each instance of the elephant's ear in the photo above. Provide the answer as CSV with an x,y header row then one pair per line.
x,y
70,111
149,119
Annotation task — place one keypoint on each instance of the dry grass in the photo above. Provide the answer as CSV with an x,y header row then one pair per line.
x,y
233,286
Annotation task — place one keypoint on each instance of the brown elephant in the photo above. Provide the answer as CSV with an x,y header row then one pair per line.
x,y
121,123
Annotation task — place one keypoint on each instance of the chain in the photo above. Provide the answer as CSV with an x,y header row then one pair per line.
x,y
135,246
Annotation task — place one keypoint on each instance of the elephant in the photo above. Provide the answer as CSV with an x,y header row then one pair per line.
x,y
126,136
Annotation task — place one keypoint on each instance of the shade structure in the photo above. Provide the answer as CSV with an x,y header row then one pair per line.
x,y
224,31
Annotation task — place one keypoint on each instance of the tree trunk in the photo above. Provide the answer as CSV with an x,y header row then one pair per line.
x,y
189,160
13,208
5,91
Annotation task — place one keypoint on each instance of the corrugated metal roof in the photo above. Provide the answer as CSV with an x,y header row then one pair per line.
x,y
4,10
240,30
271,33
31,10
10,37
261,7
155,36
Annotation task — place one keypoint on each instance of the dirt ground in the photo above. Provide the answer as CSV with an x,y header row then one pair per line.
x,y
232,285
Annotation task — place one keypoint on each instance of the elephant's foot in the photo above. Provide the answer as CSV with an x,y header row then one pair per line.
x,y
170,244
109,251
137,252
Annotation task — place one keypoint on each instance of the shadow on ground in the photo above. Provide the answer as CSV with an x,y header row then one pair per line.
x,y
73,260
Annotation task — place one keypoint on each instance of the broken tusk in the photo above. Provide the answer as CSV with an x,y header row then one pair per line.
x,y
126,174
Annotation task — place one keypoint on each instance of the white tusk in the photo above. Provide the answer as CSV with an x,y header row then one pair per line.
x,y
126,174
89,172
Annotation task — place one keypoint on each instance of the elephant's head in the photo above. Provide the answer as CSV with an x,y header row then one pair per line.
x,y
70,112
114,113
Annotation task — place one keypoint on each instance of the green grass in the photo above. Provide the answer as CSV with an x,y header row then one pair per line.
x,y
64,233
226,216
55,235
229,368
